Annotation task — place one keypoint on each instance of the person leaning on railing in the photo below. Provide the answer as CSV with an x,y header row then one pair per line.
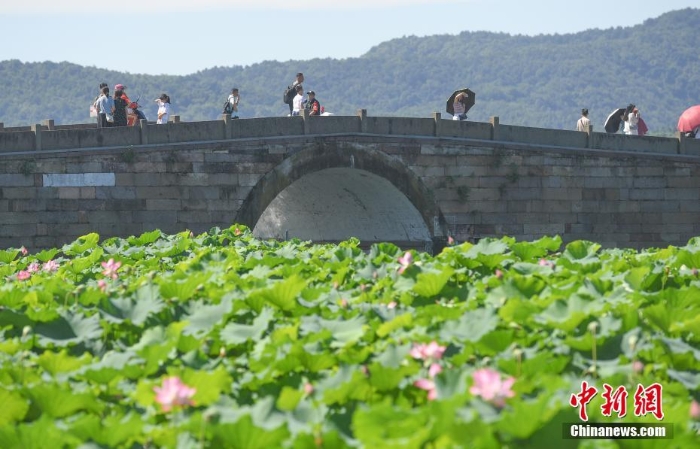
x,y
460,107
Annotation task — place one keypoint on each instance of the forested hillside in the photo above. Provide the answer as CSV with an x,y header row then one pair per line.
x,y
540,81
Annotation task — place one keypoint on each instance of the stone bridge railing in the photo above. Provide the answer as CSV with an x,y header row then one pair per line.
x,y
50,137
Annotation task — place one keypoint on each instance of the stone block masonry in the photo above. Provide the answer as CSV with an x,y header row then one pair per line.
x,y
467,180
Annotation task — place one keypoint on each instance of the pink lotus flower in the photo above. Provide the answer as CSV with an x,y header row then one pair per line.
x,y
499,274
427,385
33,267
450,240
405,261
237,231
173,393
488,385
308,388
50,266
110,268
546,263
391,305
695,410
23,275
102,285
24,251
434,370
430,352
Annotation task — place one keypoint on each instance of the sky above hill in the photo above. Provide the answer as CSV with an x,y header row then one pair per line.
x,y
179,37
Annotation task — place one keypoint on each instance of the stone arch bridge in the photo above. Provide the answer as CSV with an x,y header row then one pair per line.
x,y
413,181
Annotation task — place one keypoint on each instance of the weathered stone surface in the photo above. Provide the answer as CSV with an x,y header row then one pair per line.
x,y
466,188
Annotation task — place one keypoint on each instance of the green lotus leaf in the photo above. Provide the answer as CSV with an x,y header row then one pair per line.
x,y
202,318
146,238
235,333
138,310
565,315
690,380
210,385
391,427
13,319
7,256
473,325
36,435
183,289
14,407
69,328
401,321
243,434
46,255
60,362
533,251
81,244
487,246
581,250
430,284
288,398
282,294
58,401
385,379
496,341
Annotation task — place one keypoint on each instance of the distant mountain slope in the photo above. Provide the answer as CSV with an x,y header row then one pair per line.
x,y
540,81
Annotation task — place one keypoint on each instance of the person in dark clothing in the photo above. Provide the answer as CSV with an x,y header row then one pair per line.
x,y
292,91
120,105
312,103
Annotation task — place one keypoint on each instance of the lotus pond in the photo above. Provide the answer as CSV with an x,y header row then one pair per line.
x,y
222,340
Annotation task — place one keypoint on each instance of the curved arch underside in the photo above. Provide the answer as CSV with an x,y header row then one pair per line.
x,y
335,204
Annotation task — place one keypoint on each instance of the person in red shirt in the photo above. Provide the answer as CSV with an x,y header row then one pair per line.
x,y
312,103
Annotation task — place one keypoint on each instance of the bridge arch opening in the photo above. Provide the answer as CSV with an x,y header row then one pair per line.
x,y
330,192
335,204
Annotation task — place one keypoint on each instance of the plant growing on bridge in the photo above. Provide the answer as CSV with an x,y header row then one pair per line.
x,y
261,344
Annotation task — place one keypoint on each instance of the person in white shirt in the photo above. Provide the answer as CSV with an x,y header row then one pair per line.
x,y
584,121
233,100
460,107
105,105
298,101
163,109
632,122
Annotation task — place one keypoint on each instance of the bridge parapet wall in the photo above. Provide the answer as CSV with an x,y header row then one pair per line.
x,y
48,136
487,179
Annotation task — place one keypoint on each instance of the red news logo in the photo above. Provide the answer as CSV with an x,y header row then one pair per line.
x,y
646,400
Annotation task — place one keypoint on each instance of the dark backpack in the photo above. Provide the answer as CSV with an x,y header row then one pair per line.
x,y
227,107
289,94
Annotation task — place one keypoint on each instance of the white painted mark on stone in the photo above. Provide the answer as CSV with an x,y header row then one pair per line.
x,y
79,180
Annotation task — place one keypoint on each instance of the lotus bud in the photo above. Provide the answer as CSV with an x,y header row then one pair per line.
x,y
26,331
637,366
222,352
593,326
695,410
633,341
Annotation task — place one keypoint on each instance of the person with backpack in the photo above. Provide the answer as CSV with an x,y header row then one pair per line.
x,y
291,91
231,105
312,103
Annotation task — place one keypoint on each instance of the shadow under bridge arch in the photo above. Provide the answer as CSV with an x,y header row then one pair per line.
x,y
328,194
